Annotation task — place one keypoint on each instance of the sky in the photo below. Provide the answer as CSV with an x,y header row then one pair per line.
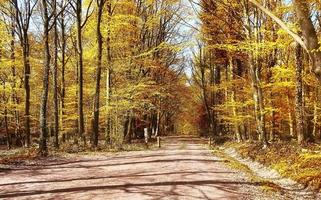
x,y
189,27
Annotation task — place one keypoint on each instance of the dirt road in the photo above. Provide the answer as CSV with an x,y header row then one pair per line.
x,y
182,169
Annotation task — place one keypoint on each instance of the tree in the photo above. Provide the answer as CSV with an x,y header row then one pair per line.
x,y
80,23
100,6
23,13
299,107
43,149
55,75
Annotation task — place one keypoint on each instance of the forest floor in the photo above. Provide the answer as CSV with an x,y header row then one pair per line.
x,y
183,168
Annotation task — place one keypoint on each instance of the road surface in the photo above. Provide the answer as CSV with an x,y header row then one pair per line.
x,y
182,169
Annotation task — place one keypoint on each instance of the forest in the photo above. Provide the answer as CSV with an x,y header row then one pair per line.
x,y
89,77
89,71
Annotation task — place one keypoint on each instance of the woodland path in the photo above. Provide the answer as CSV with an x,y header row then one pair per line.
x,y
182,169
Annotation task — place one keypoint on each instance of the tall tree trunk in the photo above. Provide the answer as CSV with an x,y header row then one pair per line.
x,y
233,101
5,100
108,74
7,128
43,149
299,96
13,70
63,68
26,65
100,4
204,89
259,107
55,79
81,123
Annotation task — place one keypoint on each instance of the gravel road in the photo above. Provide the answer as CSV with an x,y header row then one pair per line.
x,y
182,169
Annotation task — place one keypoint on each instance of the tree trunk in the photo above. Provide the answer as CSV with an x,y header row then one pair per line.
x,y
63,66
26,65
22,19
108,74
254,65
43,149
14,96
309,33
100,4
315,112
233,101
204,89
291,117
157,123
55,79
258,104
299,96
81,123
128,128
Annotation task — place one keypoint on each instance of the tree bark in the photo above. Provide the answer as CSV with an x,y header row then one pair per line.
x,y
26,65
81,123
299,96
63,68
55,79
108,74
233,101
100,4
309,33
43,149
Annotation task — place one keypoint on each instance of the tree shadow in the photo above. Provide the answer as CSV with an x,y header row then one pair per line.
x,y
133,175
45,167
227,186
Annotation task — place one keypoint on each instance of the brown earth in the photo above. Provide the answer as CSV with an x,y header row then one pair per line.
x,y
182,169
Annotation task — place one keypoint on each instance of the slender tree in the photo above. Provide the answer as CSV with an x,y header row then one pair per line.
x,y
43,149
80,23
100,6
23,13
55,76
299,95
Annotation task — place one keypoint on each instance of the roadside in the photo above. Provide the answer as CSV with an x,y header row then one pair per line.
x,y
287,172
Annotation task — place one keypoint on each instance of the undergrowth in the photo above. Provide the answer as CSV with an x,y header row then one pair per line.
x,y
267,186
289,159
19,156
